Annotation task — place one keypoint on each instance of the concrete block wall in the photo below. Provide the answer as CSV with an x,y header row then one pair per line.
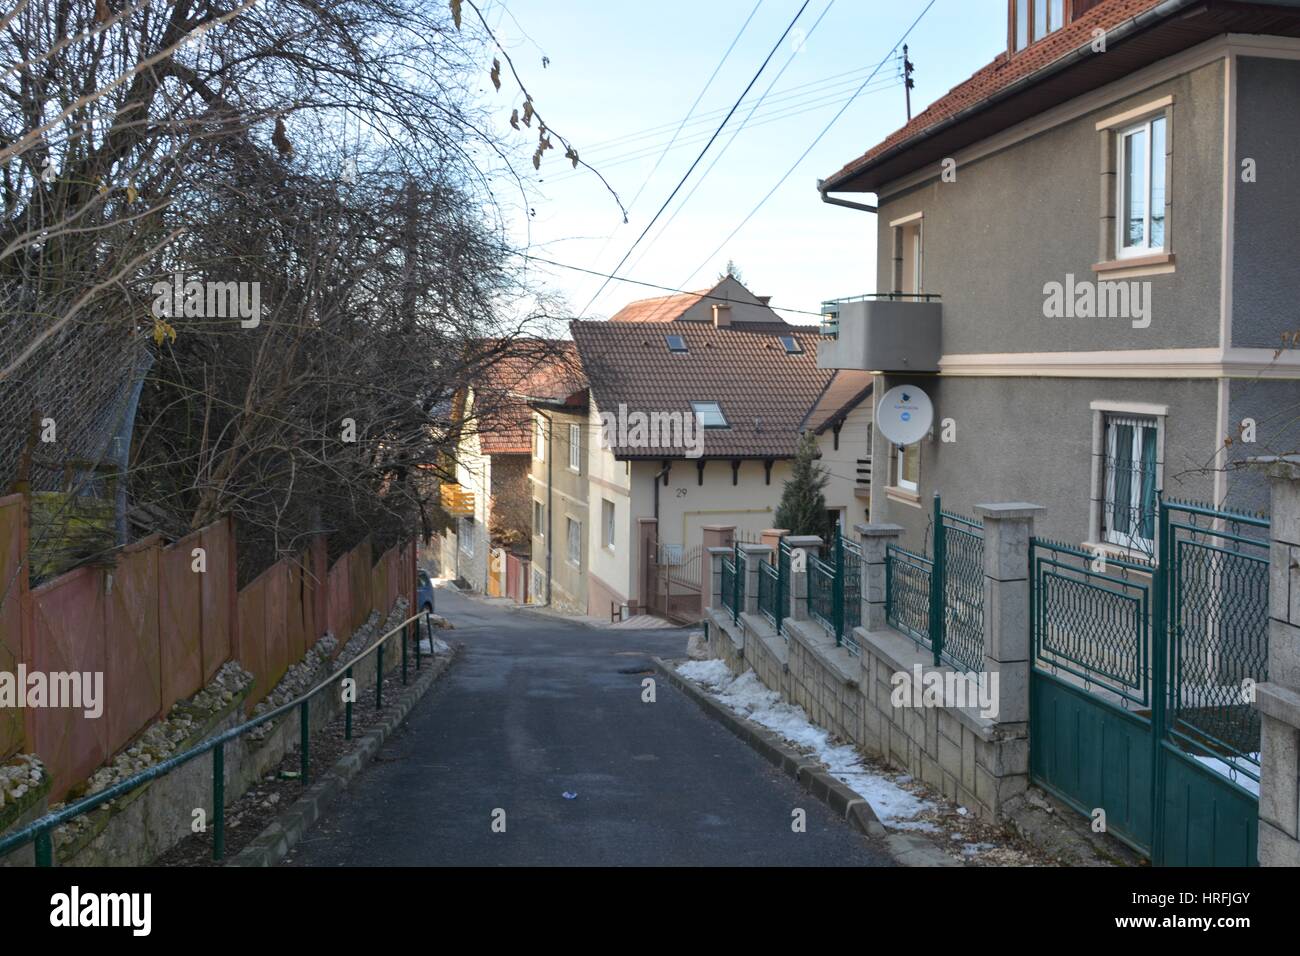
x,y
971,760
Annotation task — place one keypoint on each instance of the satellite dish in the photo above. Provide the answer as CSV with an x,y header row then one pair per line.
x,y
904,415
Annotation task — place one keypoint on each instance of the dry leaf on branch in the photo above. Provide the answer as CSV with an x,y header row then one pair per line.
x,y
455,12
496,73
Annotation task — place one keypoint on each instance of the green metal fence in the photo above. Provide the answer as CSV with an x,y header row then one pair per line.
x,y
1142,686
769,591
1090,618
939,601
850,568
962,543
907,592
1218,569
728,585
39,831
821,592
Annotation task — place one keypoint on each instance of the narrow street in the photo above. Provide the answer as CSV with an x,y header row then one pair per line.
x,y
537,707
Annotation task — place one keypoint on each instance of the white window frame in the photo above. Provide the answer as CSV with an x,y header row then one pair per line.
x,y
466,541
1121,206
539,518
1139,424
573,537
1103,483
609,517
901,483
695,409
575,448
539,438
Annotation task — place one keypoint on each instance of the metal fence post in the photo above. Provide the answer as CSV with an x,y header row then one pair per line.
x,y
304,734
347,708
218,801
1159,650
44,849
837,589
416,625
937,584
379,677
782,585
735,582
406,631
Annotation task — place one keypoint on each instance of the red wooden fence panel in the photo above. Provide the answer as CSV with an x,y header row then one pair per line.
x,y
339,603
180,620
133,674
68,636
13,595
294,612
252,645
274,634
219,617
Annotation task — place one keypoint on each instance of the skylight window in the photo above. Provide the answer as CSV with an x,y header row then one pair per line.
x,y
710,414
791,345
676,343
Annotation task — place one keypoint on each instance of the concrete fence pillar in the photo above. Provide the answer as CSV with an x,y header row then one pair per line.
x,y
754,553
875,539
1278,700
1007,530
811,545
714,537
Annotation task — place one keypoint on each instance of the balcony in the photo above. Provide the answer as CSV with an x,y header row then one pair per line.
x,y
884,332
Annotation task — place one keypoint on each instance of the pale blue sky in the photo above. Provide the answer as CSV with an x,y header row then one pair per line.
x,y
620,68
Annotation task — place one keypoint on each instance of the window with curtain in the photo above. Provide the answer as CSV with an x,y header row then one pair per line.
x,y
574,542
1129,507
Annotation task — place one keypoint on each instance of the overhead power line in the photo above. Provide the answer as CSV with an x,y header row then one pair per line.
x,y
736,132
811,146
787,111
716,133
652,285
655,168
846,80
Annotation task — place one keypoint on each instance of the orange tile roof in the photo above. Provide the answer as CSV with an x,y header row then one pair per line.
x,y
663,308
502,417
1005,70
763,391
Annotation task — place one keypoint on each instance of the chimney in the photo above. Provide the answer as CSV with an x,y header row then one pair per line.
x,y
722,314
765,299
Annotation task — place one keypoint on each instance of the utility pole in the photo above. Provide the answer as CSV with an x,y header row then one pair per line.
x,y
908,82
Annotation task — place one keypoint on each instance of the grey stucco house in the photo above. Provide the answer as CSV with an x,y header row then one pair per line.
x,y
1088,260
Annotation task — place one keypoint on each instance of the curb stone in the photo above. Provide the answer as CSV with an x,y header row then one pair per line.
x,y
274,842
905,849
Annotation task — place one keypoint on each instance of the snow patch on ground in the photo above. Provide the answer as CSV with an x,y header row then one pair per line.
x,y
746,695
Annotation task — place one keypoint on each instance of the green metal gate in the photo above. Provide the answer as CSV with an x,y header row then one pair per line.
x,y
1142,684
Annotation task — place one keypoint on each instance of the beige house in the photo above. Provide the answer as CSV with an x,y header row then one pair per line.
x,y
696,402
558,506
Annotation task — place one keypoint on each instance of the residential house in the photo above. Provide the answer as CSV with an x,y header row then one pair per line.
x,y
493,455
841,419
695,406
559,492
1086,258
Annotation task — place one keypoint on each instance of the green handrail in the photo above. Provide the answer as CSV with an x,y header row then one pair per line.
x,y
39,830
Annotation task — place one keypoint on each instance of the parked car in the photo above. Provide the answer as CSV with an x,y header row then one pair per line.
x,y
424,593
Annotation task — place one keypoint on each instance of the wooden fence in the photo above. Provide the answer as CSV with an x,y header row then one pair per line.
x,y
158,630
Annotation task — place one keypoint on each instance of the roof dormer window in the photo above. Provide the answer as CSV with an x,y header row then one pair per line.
x,y
1031,20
